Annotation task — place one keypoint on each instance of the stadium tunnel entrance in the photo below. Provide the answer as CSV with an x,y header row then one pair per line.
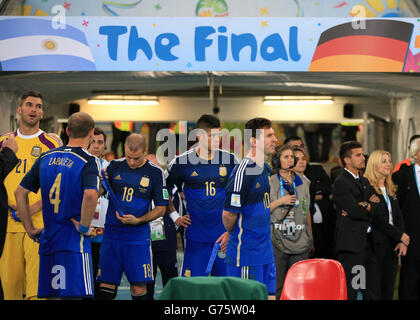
x,y
378,109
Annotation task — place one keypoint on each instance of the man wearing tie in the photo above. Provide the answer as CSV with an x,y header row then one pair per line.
x,y
353,205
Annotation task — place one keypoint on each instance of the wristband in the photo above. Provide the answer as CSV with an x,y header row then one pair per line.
x,y
83,229
37,238
174,215
14,216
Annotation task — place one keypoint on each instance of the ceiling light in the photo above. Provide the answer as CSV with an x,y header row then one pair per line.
x,y
124,101
297,101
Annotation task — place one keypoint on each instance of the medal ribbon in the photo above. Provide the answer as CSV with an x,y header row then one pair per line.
x,y
111,194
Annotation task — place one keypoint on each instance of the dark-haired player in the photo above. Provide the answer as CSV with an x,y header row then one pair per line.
x,y
202,173
246,214
19,264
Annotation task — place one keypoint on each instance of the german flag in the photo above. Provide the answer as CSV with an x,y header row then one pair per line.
x,y
380,47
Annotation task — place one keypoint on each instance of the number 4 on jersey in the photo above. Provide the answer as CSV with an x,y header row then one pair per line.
x,y
55,189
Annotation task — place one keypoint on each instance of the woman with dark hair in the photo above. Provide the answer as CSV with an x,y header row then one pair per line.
x,y
291,232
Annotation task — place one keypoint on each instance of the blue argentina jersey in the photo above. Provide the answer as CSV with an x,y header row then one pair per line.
x,y
135,189
248,195
63,174
203,183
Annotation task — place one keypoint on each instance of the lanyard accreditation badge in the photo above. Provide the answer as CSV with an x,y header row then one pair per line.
x,y
415,179
288,225
157,230
282,188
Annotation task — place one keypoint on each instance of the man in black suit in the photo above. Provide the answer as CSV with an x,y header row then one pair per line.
x,y
8,161
164,247
407,178
353,203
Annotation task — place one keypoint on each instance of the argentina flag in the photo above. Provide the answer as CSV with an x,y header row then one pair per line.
x,y
31,44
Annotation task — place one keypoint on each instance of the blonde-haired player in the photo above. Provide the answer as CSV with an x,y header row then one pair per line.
x,y
19,263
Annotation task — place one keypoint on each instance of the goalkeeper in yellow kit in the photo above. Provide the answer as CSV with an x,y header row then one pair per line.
x,y
19,263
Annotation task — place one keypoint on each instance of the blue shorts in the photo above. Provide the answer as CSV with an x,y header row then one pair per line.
x,y
265,274
65,274
135,260
196,258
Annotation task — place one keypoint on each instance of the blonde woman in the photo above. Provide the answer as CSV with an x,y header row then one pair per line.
x,y
389,239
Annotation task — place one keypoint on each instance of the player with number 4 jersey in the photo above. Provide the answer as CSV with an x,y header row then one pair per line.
x,y
68,177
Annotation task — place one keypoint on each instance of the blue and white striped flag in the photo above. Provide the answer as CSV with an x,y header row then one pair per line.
x,y
32,44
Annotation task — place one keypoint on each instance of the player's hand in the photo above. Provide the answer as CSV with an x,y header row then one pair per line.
x,y
405,238
34,234
102,191
374,198
14,207
127,218
288,200
101,176
91,231
223,239
183,221
11,143
344,213
368,207
401,249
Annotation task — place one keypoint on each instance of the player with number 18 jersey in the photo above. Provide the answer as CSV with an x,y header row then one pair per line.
x,y
127,248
